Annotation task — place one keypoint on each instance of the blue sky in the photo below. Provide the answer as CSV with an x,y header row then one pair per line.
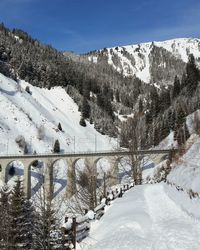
x,y
85,25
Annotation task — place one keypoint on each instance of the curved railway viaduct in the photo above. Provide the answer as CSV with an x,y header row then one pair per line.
x,y
91,159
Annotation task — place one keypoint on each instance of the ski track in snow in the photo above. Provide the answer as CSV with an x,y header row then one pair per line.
x,y
144,219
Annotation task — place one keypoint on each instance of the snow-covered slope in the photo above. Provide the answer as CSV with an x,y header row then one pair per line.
x,y
145,218
137,59
37,115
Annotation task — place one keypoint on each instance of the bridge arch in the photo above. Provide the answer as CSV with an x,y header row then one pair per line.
x,y
13,168
110,169
102,165
123,168
58,175
37,170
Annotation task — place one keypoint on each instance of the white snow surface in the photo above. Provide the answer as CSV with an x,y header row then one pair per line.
x,y
139,64
145,218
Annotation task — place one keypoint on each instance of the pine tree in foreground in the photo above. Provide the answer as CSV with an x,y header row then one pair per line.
x,y
48,233
21,220
4,218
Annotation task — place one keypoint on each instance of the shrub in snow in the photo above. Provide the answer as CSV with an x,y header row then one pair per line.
x,y
41,132
82,122
28,90
20,140
26,151
160,173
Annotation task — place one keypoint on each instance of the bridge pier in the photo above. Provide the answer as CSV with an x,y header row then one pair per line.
x,y
91,164
71,177
4,171
48,179
114,179
27,180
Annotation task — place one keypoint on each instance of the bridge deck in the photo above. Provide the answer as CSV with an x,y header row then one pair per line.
x,y
88,154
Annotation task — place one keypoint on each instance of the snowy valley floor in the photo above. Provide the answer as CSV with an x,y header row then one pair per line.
x,y
145,218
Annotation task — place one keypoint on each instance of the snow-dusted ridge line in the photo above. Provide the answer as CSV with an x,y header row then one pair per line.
x,y
134,59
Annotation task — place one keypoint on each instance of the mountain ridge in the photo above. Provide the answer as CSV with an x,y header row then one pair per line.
x,y
136,59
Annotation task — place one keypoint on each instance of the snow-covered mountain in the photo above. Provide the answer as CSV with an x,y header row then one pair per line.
x,y
150,62
36,115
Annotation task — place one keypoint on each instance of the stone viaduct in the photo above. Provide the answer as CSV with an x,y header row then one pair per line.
x,y
91,159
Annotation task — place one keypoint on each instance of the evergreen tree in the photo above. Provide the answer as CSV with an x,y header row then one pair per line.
x,y
156,135
176,88
5,218
60,127
21,216
140,106
170,117
183,81
155,102
85,110
82,122
56,148
186,132
192,75
180,116
165,100
117,96
27,89
91,120
180,136
48,234
176,132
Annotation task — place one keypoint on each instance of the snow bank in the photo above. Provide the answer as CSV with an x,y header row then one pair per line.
x,y
146,218
186,173
181,198
185,176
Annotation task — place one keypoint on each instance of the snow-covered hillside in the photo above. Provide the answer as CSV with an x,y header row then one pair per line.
x,y
37,115
136,60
